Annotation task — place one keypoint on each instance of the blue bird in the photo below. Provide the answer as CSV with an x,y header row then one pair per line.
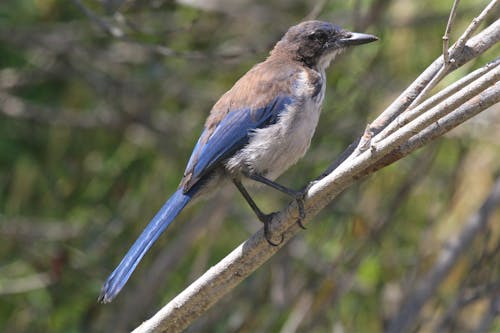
x,y
256,131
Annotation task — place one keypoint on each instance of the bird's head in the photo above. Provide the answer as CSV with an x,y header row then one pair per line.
x,y
316,43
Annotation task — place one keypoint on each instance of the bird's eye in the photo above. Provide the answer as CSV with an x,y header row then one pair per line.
x,y
319,36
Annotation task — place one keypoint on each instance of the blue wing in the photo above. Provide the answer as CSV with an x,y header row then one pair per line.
x,y
230,134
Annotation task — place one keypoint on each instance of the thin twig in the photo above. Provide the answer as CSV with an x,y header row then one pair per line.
x,y
105,26
466,36
446,37
316,10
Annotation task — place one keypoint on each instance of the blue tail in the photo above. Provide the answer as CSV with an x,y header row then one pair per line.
x,y
154,229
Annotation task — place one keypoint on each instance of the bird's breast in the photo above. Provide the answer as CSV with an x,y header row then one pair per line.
x,y
273,149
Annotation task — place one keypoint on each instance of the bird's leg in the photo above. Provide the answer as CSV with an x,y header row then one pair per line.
x,y
264,218
297,195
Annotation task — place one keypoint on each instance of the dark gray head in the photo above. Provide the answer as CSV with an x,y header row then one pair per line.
x,y
316,43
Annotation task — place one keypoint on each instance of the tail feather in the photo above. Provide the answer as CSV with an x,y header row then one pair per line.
x,y
153,230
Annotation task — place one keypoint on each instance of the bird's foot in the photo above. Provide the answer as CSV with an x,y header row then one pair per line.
x,y
266,219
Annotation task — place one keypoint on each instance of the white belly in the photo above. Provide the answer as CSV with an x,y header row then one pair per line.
x,y
272,150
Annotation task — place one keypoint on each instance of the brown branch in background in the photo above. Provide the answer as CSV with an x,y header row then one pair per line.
x,y
450,253
474,287
465,298
105,26
373,13
102,116
298,312
491,313
16,107
316,10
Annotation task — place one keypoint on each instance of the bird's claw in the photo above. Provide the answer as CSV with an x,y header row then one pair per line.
x,y
299,199
266,219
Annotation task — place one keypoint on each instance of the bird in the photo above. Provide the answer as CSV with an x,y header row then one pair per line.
x,y
257,130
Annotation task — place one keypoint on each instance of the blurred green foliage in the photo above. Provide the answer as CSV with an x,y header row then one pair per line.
x,y
95,131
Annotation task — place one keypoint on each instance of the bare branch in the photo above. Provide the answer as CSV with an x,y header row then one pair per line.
x,y
466,111
418,123
431,102
466,36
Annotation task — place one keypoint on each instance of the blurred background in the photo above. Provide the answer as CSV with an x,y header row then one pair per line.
x,y
101,103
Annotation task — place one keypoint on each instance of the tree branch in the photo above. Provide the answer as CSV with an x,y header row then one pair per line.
x,y
447,66
411,114
476,46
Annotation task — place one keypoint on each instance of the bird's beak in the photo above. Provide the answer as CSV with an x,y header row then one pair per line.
x,y
356,38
